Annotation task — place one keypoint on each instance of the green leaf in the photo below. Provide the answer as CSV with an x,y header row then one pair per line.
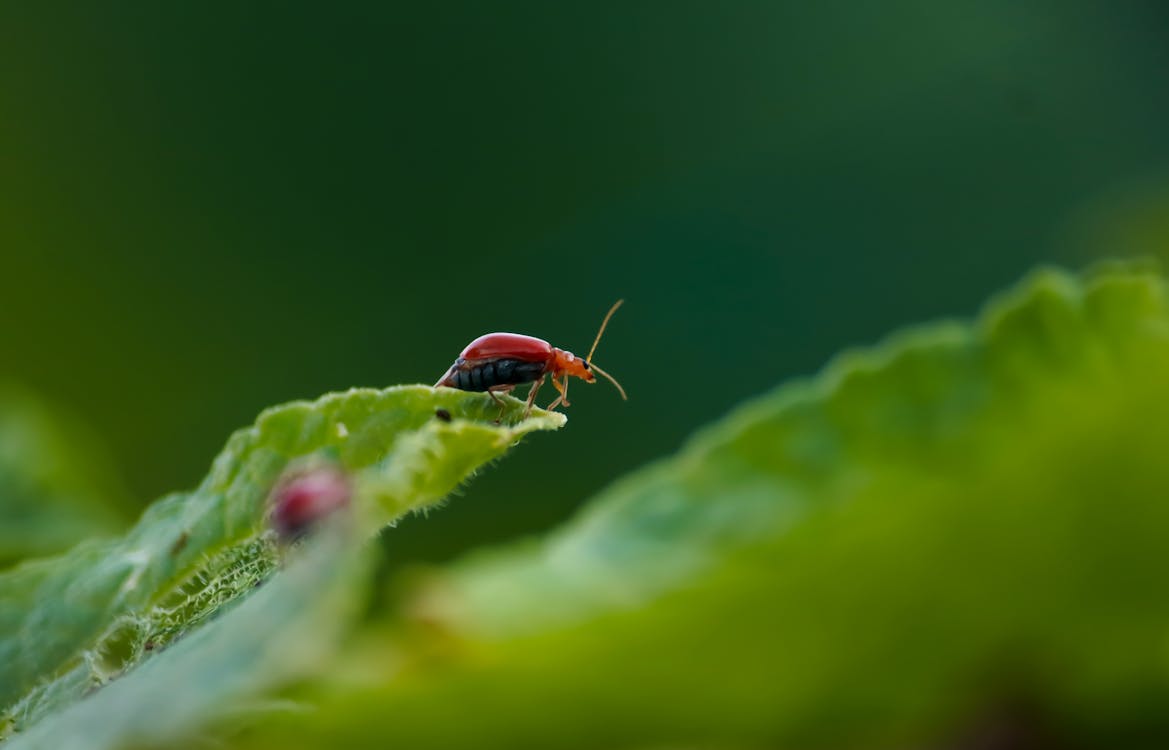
x,y
900,552
72,624
55,486
288,628
918,403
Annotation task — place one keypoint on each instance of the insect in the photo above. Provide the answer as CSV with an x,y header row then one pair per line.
x,y
304,496
498,362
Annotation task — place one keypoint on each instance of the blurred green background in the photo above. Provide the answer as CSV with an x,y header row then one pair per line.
x,y
208,208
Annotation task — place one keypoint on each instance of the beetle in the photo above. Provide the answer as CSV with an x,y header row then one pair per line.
x,y
305,495
498,362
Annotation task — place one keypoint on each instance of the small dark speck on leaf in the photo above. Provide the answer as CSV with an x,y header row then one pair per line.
x,y
180,544
148,646
443,414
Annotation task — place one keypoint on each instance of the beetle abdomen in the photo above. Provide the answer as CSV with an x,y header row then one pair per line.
x,y
480,376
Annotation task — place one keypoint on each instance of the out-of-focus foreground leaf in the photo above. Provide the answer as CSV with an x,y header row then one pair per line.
x,y
162,625
958,535
55,487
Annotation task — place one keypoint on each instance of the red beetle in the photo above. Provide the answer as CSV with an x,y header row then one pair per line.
x,y
305,495
498,362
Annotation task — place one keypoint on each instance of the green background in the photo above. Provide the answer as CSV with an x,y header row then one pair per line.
x,y
208,208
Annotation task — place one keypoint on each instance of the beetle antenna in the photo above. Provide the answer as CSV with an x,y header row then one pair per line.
x,y
612,379
604,323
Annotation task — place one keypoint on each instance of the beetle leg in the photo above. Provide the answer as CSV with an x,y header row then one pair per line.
x,y
532,395
563,397
502,406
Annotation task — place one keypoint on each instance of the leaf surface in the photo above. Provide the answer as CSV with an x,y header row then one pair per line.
x,y
76,623
899,552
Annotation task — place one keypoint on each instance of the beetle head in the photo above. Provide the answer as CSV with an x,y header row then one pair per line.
x,y
567,363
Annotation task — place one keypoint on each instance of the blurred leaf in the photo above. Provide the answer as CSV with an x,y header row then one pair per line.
x,y
959,534
286,629
55,486
72,624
